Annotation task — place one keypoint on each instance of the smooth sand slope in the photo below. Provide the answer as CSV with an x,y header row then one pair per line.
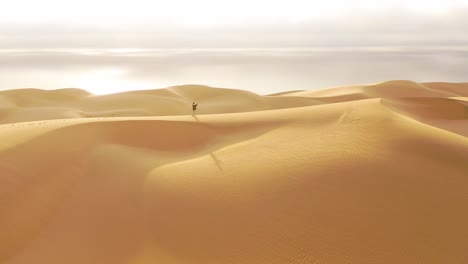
x,y
34,104
376,174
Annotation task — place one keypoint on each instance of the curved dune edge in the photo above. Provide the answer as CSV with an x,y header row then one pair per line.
x,y
373,180
23,105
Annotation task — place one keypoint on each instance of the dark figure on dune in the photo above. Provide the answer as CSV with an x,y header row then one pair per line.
x,y
194,108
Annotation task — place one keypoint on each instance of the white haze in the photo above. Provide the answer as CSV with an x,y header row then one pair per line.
x,y
263,46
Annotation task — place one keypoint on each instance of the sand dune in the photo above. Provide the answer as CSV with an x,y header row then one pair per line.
x,y
389,89
455,88
363,174
34,104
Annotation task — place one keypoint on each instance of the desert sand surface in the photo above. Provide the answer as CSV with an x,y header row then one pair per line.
x,y
365,174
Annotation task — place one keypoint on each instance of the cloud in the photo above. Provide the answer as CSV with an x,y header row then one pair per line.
x,y
260,70
385,28
265,55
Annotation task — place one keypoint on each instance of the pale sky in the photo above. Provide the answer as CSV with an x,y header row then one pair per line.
x,y
204,12
265,46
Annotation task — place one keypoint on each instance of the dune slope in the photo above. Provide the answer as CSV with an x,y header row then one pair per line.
x,y
35,104
369,181
388,89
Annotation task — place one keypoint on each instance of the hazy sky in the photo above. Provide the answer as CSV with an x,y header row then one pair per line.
x,y
265,46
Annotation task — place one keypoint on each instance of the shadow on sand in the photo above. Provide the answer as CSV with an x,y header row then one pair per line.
x,y
217,161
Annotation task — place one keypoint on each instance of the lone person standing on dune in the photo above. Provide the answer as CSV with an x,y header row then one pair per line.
x,y
194,108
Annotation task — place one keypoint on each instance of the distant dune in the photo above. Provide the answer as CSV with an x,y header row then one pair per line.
x,y
365,174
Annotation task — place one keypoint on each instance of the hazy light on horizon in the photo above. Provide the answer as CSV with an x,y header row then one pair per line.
x,y
263,71
265,46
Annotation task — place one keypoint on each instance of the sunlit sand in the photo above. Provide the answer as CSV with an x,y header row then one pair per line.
x,y
367,174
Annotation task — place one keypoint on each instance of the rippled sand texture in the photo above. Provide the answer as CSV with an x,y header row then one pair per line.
x,y
361,174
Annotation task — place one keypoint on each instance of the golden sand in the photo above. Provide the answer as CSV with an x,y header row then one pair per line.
x,y
367,174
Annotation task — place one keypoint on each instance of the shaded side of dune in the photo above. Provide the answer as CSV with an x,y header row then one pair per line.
x,y
34,104
353,182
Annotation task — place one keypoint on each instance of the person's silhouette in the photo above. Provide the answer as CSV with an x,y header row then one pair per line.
x,y
194,108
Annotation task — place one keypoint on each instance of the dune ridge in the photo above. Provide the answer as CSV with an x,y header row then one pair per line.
x,y
371,174
35,104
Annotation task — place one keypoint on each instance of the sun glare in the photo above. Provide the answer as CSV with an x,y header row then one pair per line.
x,y
108,81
